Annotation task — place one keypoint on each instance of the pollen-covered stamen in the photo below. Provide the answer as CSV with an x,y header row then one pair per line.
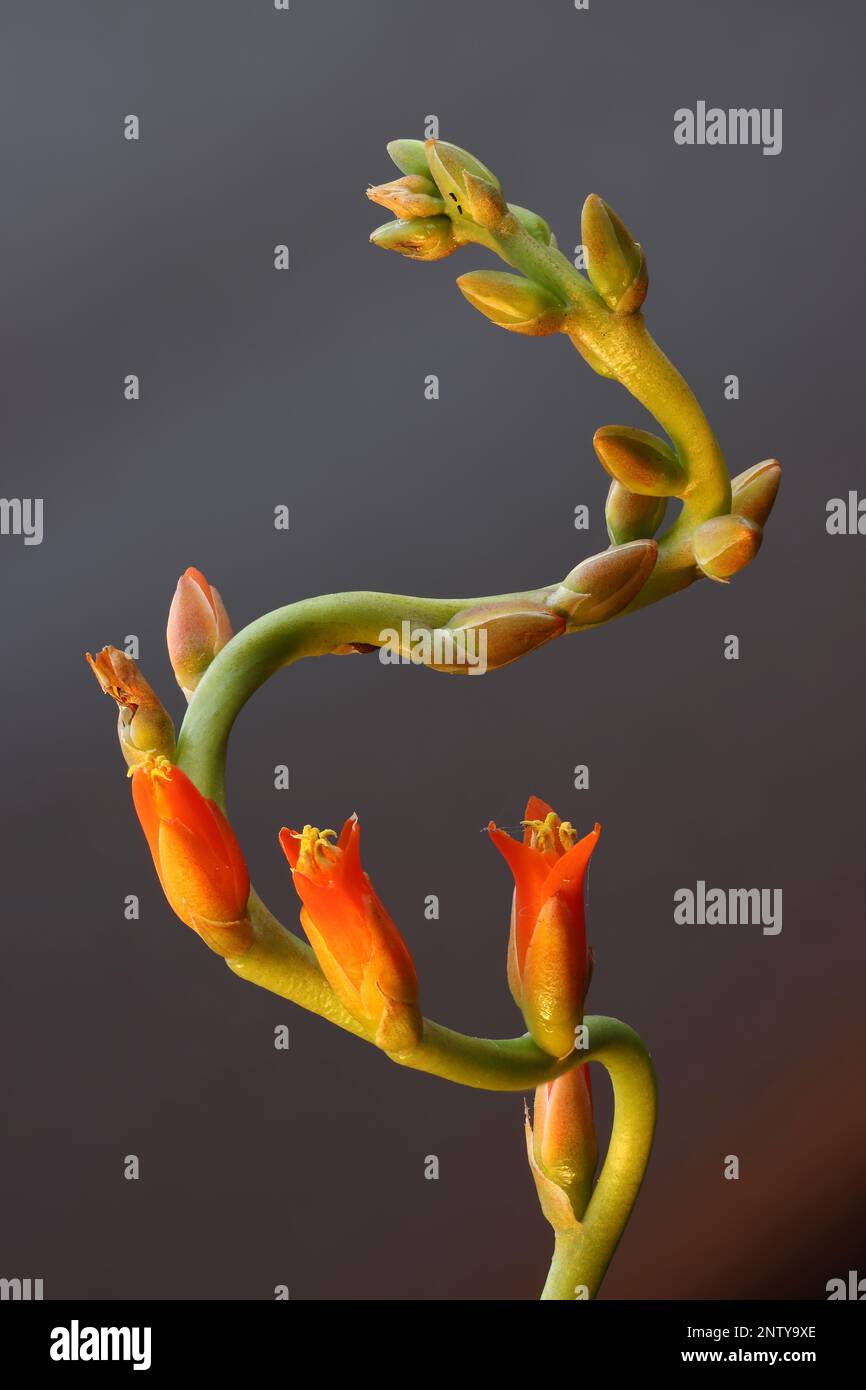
x,y
544,832
316,851
158,766
567,835
154,765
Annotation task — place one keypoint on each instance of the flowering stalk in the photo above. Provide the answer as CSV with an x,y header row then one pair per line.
x,y
601,315
359,974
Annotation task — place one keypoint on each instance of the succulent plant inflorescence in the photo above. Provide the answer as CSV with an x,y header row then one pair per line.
x,y
445,199
358,972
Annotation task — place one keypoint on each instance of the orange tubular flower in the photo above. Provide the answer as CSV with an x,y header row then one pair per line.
x,y
198,629
548,961
198,860
361,953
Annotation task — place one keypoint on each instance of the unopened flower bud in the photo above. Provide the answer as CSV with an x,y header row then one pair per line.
x,y
144,726
484,202
449,166
513,302
603,585
754,492
422,239
532,223
725,545
198,629
632,517
614,260
412,196
562,1146
506,629
640,461
410,156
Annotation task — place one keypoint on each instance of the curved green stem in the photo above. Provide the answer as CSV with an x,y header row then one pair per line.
x,y
312,627
639,364
621,346
281,963
278,960
583,1253
284,965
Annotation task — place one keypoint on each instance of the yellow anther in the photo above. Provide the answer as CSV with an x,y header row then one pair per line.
x,y
155,766
543,831
316,848
567,834
324,850
148,764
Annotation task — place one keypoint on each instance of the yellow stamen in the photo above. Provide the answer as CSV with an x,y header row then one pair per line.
x,y
155,766
567,835
544,832
316,849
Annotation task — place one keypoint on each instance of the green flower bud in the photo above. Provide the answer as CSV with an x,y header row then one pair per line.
x,y
605,584
410,156
640,461
754,492
632,517
533,224
614,260
422,239
725,545
449,166
513,302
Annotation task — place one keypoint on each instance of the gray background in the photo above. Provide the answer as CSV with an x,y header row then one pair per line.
x,y
306,388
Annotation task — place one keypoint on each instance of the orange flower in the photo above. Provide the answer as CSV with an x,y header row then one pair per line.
x,y
198,628
198,860
361,953
548,961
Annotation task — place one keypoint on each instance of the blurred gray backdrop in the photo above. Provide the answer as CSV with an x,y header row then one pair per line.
x,y
306,1168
